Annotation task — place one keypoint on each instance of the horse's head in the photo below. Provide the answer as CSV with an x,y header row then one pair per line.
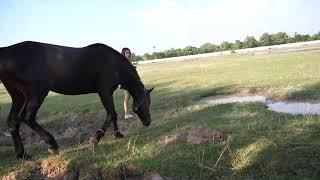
x,y
141,107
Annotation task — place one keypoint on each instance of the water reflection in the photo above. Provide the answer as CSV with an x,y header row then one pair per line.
x,y
295,108
229,100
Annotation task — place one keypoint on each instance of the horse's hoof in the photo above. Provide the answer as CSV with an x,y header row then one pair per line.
x,y
53,151
119,135
93,141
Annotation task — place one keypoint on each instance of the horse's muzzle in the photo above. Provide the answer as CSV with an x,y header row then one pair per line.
x,y
146,123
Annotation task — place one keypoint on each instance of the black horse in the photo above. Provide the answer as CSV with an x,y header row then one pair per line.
x,y
29,70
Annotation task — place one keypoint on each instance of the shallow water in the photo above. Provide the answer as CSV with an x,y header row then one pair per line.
x,y
295,108
229,100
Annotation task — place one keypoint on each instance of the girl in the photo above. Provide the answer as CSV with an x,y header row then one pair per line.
x,y
127,53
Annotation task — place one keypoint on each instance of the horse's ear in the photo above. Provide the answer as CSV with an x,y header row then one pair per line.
x,y
149,90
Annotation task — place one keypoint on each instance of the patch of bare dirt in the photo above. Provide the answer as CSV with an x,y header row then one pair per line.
x,y
16,175
47,169
75,128
128,172
133,173
51,170
197,135
54,170
72,129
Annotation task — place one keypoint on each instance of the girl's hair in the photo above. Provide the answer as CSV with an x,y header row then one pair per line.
x,y
124,50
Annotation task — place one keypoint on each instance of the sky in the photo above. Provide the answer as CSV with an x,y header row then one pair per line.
x,y
144,24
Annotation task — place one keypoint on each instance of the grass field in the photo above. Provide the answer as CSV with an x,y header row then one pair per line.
x,y
263,144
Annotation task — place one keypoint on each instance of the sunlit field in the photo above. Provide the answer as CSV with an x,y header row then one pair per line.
x,y
261,143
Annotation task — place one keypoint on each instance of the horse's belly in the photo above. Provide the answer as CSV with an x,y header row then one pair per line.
x,y
73,92
74,87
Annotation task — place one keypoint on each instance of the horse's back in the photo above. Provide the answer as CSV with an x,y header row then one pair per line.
x,y
65,70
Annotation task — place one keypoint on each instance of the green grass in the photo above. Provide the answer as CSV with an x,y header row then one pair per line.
x,y
264,144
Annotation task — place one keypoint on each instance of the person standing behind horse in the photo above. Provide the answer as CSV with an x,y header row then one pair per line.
x,y
127,53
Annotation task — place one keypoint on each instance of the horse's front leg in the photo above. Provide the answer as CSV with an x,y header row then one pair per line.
x,y
107,101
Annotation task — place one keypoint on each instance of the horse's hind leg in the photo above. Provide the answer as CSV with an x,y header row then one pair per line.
x,y
14,120
33,105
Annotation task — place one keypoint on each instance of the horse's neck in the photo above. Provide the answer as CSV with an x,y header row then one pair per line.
x,y
135,88
131,82
136,93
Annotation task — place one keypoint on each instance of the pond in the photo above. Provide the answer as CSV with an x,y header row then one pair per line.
x,y
295,108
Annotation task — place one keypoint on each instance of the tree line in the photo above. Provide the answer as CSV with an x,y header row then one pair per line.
x,y
265,39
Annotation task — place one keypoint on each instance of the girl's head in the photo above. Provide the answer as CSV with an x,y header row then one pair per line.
x,y
126,52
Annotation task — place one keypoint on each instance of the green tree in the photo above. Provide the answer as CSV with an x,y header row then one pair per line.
x,y
207,48
297,37
281,38
170,53
158,55
136,58
179,52
225,45
250,42
265,40
238,45
302,37
316,36
291,39
190,50
306,37
147,56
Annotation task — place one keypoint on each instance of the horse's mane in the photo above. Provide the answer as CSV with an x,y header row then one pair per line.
x,y
98,45
131,76
126,66
123,65
122,61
